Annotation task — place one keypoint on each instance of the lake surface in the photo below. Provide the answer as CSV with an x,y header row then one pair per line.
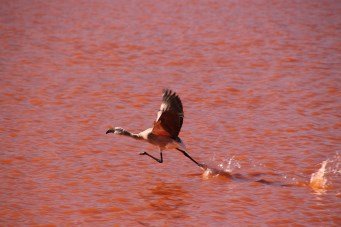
x,y
259,81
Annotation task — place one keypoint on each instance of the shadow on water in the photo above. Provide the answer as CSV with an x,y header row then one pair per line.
x,y
214,172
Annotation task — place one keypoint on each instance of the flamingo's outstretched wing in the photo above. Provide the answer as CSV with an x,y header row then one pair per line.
x,y
170,116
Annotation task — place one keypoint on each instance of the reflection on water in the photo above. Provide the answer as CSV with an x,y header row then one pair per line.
x,y
259,82
167,199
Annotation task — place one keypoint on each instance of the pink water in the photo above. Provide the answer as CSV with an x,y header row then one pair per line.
x,y
260,85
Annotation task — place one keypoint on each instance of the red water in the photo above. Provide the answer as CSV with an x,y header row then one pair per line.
x,y
260,84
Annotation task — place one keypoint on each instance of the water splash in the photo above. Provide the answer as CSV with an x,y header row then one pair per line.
x,y
322,179
229,164
318,180
224,168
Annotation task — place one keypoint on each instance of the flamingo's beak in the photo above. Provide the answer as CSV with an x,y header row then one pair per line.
x,y
111,130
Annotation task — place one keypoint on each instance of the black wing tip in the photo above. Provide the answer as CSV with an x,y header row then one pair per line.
x,y
169,92
170,96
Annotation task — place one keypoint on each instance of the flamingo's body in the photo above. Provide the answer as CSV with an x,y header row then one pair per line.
x,y
166,128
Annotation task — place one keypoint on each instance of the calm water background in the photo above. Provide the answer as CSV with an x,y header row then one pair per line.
x,y
260,84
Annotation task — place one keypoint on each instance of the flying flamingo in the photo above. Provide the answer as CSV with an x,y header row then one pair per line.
x,y
165,130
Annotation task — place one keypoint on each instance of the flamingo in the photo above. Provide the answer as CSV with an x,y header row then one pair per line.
x,y
166,128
